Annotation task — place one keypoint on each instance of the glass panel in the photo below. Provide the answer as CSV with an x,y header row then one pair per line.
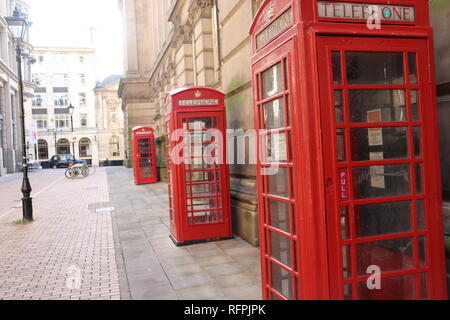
x,y
278,183
421,225
279,215
340,137
397,288
348,292
345,226
375,67
422,252
412,68
419,181
415,110
280,247
379,143
381,181
272,81
282,281
336,62
389,255
377,105
276,147
417,142
274,114
383,218
339,106
346,261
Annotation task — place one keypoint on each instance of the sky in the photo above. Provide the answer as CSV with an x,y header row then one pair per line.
x,y
69,23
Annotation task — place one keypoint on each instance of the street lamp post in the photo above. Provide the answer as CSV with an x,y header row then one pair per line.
x,y
18,25
71,109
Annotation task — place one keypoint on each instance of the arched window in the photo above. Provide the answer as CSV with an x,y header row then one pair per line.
x,y
63,146
42,150
114,147
85,147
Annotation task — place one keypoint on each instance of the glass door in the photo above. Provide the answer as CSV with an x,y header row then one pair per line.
x,y
145,158
379,161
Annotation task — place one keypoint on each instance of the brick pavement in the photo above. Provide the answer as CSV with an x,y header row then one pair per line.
x,y
68,251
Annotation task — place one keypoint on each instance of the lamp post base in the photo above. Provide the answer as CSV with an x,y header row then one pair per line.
x,y
27,209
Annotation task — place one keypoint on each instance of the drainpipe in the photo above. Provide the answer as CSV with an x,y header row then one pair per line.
x,y
219,48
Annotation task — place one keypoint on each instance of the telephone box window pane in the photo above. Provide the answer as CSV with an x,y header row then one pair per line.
x,y
339,106
278,183
396,288
146,173
381,181
412,68
279,215
415,105
377,105
419,179
420,209
280,248
417,142
375,68
340,137
346,261
345,226
348,292
383,218
336,62
274,114
282,281
422,252
424,285
379,143
272,81
276,148
389,255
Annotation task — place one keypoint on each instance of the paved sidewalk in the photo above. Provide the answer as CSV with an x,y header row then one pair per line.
x,y
156,269
68,251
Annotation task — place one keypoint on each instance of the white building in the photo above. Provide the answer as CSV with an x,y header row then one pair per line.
x,y
110,122
10,111
64,76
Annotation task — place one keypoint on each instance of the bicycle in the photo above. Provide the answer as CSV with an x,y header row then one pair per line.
x,y
78,170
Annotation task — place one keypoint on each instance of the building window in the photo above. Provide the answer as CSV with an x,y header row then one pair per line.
x,y
83,119
82,78
38,79
63,146
112,114
60,99
40,59
59,59
60,80
42,150
62,121
38,101
41,121
114,147
85,147
81,59
82,97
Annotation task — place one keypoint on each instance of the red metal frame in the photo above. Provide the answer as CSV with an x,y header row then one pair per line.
x,y
199,195
144,155
304,50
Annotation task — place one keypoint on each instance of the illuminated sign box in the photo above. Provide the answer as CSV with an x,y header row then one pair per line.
x,y
364,11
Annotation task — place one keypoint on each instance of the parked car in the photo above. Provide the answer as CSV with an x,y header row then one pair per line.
x,y
61,161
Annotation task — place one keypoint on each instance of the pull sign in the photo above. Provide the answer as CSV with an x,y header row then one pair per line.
x,y
343,182
362,11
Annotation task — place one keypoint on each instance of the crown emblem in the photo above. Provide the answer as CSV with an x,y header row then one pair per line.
x,y
198,94
271,10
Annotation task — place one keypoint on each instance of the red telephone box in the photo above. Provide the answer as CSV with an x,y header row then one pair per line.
x,y
198,178
144,156
348,174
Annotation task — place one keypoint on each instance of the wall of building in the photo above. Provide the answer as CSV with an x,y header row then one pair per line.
x,y
64,76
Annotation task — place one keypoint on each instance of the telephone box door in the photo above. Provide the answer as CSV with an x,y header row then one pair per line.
x,y
206,181
382,176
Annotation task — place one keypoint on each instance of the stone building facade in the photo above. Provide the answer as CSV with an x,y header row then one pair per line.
x,y
10,113
64,76
177,43
109,119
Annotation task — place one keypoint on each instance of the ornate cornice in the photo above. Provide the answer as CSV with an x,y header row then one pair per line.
x,y
199,9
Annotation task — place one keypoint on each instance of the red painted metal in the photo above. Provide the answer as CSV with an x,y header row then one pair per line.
x,y
199,194
144,156
317,236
